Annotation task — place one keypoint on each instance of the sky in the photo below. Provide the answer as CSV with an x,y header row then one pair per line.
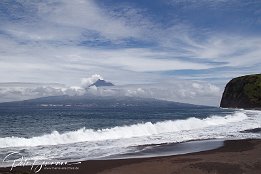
x,y
180,50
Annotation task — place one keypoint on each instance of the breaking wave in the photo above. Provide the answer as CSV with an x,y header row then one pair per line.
x,y
122,132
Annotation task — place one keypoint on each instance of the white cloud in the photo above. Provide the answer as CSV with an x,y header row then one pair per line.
x,y
86,82
23,91
48,63
173,90
177,90
70,21
235,51
46,46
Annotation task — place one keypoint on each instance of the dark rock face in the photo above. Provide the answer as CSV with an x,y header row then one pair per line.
x,y
243,92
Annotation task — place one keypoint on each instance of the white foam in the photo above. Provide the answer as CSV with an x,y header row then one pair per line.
x,y
124,132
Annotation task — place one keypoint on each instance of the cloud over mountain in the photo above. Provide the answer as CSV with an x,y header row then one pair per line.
x,y
173,90
87,82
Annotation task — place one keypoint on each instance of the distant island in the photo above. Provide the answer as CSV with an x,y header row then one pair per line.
x,y
243,92
89,101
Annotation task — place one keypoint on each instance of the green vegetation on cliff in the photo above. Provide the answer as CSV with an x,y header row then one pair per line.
x,y
243,92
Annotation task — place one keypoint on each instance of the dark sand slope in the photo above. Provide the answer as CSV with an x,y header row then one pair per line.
x,y
235,157
240,156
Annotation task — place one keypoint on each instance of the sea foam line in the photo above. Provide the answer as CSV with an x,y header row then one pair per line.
x,y
121,132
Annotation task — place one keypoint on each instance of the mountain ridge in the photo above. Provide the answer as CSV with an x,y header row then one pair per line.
x,y
97,102
100,83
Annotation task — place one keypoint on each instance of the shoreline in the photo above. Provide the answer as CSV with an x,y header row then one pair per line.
x,y
169,149
235,156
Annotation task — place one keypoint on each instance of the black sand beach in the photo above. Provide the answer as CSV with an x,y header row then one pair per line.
x,y
236,156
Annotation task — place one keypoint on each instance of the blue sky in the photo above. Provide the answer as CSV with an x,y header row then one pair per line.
x,y
129,42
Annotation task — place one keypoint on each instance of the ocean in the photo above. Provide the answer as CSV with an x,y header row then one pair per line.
x,y
71,133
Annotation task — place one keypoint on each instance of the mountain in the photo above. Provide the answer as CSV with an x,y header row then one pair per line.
x,y
243,92
100,83
96,102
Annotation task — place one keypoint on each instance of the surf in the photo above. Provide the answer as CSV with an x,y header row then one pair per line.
x,y
122,132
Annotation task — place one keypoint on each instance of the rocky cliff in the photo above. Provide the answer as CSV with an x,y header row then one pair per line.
x,y
243,92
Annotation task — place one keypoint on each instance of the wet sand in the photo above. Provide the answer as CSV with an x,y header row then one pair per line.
x,y
235,157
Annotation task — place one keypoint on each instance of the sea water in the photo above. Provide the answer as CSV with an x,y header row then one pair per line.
x,y
81,133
